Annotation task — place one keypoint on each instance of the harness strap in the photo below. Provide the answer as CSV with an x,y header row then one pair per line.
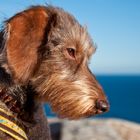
x,y
9,125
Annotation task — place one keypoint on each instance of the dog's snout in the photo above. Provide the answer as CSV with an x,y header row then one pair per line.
x,y
102,105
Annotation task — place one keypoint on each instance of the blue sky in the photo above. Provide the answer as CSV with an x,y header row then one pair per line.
x,y
114,26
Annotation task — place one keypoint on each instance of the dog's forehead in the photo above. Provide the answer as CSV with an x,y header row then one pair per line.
x,y
73,33
68,32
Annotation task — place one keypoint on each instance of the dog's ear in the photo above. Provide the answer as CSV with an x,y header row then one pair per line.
x,y
25,34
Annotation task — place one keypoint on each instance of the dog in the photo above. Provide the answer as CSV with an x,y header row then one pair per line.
x,y
44,55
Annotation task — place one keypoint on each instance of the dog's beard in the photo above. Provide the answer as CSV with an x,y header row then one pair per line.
x,y
69,99
74,106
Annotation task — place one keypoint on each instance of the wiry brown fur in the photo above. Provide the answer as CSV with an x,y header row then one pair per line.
x,y
35,51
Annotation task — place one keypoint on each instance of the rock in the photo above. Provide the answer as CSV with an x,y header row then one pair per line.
x,y
100,129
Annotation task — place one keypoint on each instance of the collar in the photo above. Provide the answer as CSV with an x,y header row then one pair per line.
x,y
11,126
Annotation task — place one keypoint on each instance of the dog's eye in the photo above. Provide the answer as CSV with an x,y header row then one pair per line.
x,y
71,52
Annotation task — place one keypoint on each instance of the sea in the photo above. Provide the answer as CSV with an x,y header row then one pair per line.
x,y
123,92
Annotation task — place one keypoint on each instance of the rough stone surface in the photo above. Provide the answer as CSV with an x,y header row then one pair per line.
x,y
100,129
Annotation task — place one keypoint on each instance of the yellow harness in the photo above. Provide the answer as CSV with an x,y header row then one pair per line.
x,y
8,126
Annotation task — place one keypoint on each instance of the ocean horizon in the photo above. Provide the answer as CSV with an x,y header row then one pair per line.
x,y
123,92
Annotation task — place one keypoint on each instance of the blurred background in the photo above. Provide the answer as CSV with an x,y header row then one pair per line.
x,y
114,26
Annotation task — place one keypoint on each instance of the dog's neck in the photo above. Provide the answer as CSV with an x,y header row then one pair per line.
x,y
18,99
30,119
8,99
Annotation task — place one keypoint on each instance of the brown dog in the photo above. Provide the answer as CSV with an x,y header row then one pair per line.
x,y
44,57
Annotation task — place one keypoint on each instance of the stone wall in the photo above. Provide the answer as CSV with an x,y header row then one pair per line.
x,y
97,129
100,129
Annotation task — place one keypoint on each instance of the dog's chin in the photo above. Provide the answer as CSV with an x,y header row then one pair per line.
x,y
76,117
80,116
75,113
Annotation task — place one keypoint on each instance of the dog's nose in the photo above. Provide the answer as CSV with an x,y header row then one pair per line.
x,y
102,105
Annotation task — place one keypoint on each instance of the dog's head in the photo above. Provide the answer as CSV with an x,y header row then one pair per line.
x,y
49,48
